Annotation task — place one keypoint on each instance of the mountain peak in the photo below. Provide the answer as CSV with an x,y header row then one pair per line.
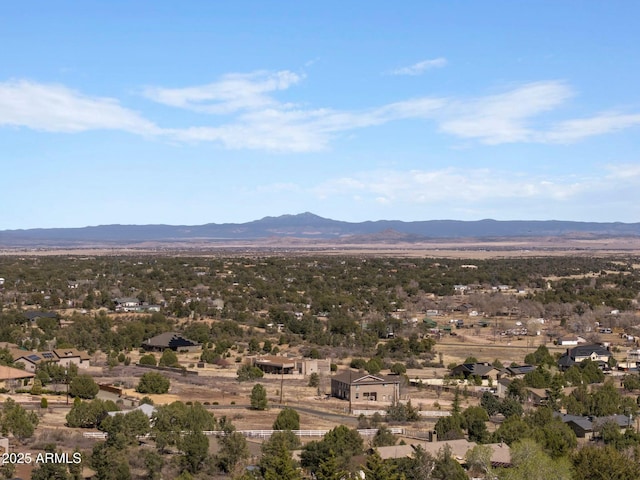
x,y
303,215
297,219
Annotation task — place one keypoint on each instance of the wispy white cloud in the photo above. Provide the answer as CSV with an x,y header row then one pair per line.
x,y
625,172
571,131
249,115
56,108
260,121
232,93
420,67
505,117
275,137
288,129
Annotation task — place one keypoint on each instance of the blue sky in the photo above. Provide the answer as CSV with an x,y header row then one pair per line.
x,y
140,112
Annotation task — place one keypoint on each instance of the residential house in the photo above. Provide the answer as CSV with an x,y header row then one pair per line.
x,y
460,288
596,353
519,371
632,360
12,378
359,386
172,341
485,371
286,365
458,448
63,357
32,316
133,305
569,340
275,364
502,387
537,396
72,356
464,308
307,366
31,360
589,427
500,452
127,304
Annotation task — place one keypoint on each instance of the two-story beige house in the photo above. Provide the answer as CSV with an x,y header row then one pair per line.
x,y
358,386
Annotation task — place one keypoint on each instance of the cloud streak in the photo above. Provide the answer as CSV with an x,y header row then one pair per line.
x,y
505,117
571,131
420,67
232,93
55,108
242,111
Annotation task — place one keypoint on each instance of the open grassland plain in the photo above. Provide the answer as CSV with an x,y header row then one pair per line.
x,y
452,248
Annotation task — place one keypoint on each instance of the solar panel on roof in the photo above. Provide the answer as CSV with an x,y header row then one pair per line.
x,y
47,355
33,358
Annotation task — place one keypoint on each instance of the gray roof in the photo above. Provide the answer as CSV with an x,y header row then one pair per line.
x,y
622,421
474,368
588,424
584,423
127,300
520,369
33,315
505,381
586,350
569,358
170,340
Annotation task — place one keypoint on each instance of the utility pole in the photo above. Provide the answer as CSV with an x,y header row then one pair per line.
x,y
281,382
350,409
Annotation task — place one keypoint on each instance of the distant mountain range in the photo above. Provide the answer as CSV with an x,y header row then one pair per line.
x,y
310,226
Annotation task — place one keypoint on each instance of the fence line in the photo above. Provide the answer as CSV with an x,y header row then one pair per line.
x,y
434,413
422,413
366,432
